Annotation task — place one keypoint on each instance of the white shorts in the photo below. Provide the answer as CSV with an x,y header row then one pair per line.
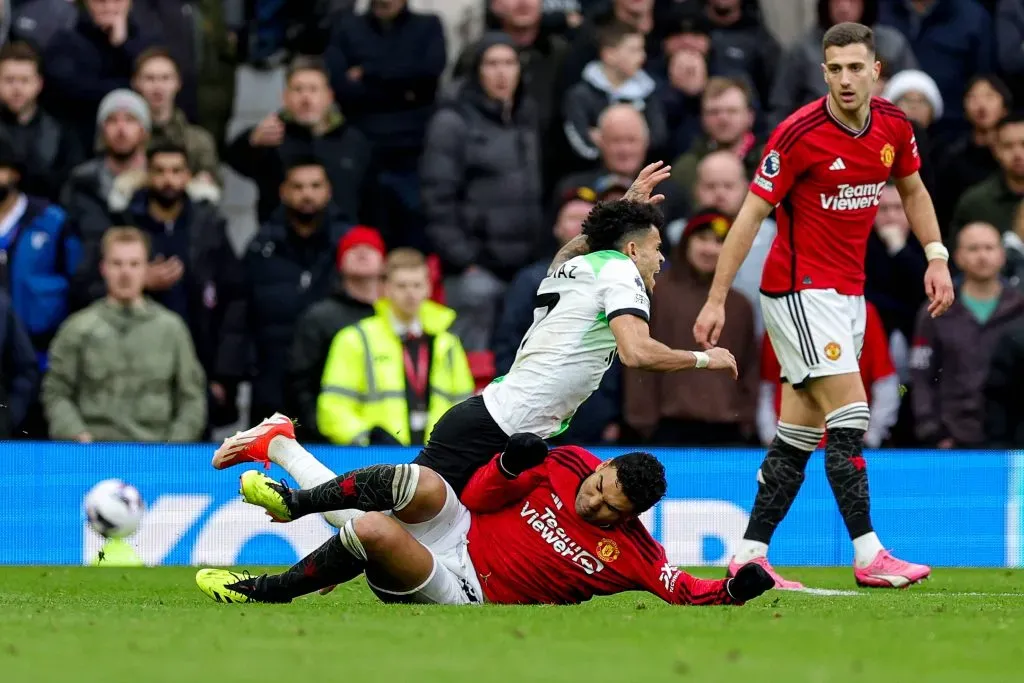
x,y
815,333
453,580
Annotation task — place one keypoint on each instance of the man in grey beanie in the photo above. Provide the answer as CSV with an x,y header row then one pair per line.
x,y
124,101
99,189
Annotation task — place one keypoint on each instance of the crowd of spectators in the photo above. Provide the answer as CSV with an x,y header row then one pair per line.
x,y
426,161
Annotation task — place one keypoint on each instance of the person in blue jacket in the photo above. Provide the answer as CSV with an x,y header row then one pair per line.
x,y
38,254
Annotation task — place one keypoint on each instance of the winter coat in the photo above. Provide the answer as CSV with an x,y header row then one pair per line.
x,y
585,101
95,200
81,67
343,149
313,335
952,42
48,149
19,372
125,374
949,364
284,275
393,100
1004,409
42,253
481,183
991,201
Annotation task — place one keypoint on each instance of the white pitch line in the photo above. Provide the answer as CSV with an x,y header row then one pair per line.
x,y
828,592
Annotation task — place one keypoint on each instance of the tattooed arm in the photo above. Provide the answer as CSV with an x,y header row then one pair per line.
x,y
577,246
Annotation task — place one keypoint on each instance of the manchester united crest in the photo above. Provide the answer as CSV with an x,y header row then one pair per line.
x,y
833,351
607,550
888,155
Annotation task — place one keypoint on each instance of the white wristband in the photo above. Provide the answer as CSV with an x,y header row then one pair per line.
x,y
702,359
936,250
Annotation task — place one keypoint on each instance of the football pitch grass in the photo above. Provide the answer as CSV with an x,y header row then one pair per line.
x,y
152,625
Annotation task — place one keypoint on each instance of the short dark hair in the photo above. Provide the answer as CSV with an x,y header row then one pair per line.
x,y
302,161
609,225
849,33
307,63
20,51
1013,118
642,479
997,84
152,53
166,147
613,33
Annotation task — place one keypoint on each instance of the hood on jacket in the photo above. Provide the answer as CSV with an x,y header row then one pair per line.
x,y
636,89
869,17
435,318
472,90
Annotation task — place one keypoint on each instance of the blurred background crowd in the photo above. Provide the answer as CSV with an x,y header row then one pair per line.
x,y
211,210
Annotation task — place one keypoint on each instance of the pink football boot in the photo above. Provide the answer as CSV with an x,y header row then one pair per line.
x,y
253,445
886,571
780,583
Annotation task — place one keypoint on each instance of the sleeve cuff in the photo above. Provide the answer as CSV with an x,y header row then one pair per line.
x,y
638,312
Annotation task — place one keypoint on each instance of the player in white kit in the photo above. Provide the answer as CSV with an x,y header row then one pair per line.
x,y
594,303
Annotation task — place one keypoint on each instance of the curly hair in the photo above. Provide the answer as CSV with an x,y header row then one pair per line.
x,y
642,479
610,225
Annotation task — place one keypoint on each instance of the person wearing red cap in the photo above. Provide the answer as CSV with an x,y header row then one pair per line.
x,y
360,262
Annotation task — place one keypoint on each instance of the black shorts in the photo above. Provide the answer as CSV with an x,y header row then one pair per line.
x,y
464,440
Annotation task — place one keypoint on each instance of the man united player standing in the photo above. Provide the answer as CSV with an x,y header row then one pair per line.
x,y
823,170
533,527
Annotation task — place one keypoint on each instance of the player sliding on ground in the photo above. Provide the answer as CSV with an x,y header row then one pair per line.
x,y
533,527
594,304
823,171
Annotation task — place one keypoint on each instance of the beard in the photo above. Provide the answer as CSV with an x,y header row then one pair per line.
x,y
167,197
122,156
306,216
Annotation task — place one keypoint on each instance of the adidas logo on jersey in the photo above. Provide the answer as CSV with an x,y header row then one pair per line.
x,y
837,165
852,197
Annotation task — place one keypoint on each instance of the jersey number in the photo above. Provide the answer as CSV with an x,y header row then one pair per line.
x,y
542,305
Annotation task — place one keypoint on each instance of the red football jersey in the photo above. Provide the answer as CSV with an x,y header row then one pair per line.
x,y
529,546
825,180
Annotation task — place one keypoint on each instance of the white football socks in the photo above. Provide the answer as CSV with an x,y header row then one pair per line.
x,y
749,550
865,548
307,472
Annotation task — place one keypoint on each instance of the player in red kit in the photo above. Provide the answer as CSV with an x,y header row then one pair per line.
x,y
823,170
533,527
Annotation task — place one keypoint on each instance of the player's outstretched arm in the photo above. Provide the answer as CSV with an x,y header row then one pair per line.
x,y
677,587
920,210
734,251
637,349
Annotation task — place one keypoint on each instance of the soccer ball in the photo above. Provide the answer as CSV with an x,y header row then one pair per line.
x,y
114,508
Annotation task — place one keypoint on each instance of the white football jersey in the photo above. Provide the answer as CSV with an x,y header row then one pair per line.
x,y
565,353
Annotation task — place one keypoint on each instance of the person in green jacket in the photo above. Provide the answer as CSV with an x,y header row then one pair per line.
x,y
390,377
996,199
124,368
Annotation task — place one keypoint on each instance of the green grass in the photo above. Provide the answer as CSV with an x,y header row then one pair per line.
x,y
152,625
